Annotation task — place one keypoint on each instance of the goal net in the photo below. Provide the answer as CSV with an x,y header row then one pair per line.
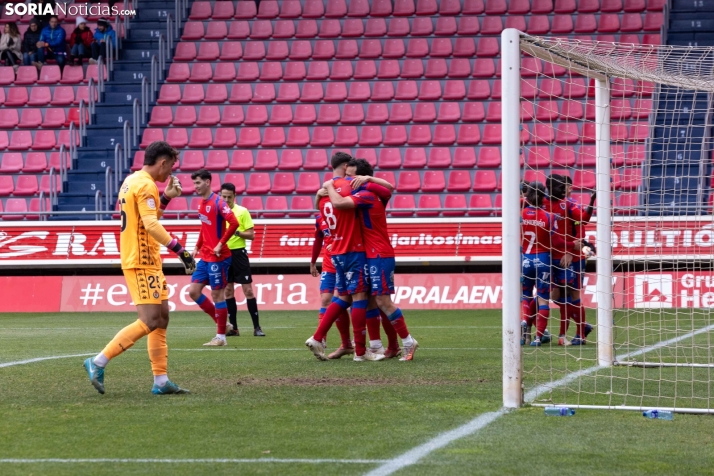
x,y
631,123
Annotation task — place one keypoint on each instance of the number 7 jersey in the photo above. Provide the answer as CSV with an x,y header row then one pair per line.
x,y
138,196
536,227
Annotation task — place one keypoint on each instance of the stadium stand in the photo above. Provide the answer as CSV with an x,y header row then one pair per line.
x,y
413,86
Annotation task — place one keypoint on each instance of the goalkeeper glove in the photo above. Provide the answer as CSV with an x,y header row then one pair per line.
x,y
187,260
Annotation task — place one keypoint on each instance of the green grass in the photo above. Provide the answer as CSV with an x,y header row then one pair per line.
x,y
269,397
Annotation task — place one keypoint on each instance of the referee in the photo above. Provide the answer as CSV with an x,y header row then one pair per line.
x,y
239,271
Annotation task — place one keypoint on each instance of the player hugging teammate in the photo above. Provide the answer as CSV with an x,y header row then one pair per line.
x,y
353,225
553,259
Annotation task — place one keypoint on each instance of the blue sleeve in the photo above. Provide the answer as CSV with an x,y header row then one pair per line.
x,y
43,36
59,39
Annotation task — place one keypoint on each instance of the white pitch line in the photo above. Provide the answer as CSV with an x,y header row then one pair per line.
x,y
482,421
40,359
188,461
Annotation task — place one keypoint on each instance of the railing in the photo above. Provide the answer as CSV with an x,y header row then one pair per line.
x,y
125,18
154,77
117,29
64,163
98,205
109,179
162,56
72,141
136,112
43,208
120,164
110,56
100,73
169,36
83,119
145,94
53,187
93,95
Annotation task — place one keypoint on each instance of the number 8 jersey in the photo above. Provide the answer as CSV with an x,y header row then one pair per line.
x,y
138,196
344,224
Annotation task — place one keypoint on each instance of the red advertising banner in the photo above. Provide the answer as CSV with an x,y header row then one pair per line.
x,y
290,241
273,292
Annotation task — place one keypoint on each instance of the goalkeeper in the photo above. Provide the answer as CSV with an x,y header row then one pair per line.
x,y
141,238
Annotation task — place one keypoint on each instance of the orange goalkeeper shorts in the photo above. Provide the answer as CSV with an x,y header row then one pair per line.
x,y
146,286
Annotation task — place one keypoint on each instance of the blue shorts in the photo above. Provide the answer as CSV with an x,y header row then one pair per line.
x,y
351,273
214,274
535,272
381,275
572,276
327,283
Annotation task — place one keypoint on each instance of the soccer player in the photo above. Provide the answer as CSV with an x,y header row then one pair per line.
x,y
567,213
362,178
140,240
239,271
215,256
328,287
380,260
350,266
538,237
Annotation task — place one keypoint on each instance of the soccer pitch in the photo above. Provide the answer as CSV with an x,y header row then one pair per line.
x,y
268,406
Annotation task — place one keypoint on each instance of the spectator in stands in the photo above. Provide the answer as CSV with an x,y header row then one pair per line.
x,y
52,44
43,20
11,45
80,42
102,35
29,43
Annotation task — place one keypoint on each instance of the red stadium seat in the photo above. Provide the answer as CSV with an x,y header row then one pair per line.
x,y
454,206
290,159
567,133
434,181
11,163
178,137
429,206
587,156
631,178
415,157
50,74
402,206
207,116
26,185
241,160
480,205
489,157
31,118
226,136
584,179
17,205
459,181
258,184
290,9
217,160
7,185
408,182
283,183
563,156
192,160
315,159
539,157
308,183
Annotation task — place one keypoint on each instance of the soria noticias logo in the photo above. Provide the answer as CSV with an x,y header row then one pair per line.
x,y
70,9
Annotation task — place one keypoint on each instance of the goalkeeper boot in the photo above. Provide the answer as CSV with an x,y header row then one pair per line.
x,y
588,329
577,340
409,350
317,348
525,333
96,374
168,388
233,332
258,332
215,342
546,337
563,340
341,351
536,342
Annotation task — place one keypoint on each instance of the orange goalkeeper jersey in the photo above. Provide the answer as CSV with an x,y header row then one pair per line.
x,y
138,196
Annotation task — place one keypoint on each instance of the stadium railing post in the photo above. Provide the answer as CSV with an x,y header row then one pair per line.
x,y
605,346
511,248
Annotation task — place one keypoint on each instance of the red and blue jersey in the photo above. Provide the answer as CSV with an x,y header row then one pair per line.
x,y
373,223
214,213
569,216
536,226
344,225
324,232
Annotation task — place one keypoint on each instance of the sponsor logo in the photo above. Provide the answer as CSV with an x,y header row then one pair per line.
x,y
156,295
653,291
207,208
73,10
214,267
151,204
372,270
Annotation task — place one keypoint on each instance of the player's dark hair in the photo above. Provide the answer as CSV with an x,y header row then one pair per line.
x,y
229,186
556,186
157,150
363,167
53,16
535,194
203,174
339,158
524,186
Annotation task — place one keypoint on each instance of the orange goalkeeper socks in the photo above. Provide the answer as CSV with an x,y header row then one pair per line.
x,y
158,351
125,338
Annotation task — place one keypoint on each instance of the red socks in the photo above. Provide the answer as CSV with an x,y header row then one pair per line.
x,y
390,331
542,320
343,325
221,317
564,308
577,313
529,310
333,311
207,306
373,325
359,323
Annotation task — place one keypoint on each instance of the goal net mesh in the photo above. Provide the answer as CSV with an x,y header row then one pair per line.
x,y
662,230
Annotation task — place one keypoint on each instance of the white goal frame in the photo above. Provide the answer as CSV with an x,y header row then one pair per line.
x,y
511,173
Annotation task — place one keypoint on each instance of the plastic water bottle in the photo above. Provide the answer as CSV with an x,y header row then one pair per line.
x,y
559,411
658,414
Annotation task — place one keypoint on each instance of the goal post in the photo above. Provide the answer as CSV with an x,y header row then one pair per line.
x,y
632,124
